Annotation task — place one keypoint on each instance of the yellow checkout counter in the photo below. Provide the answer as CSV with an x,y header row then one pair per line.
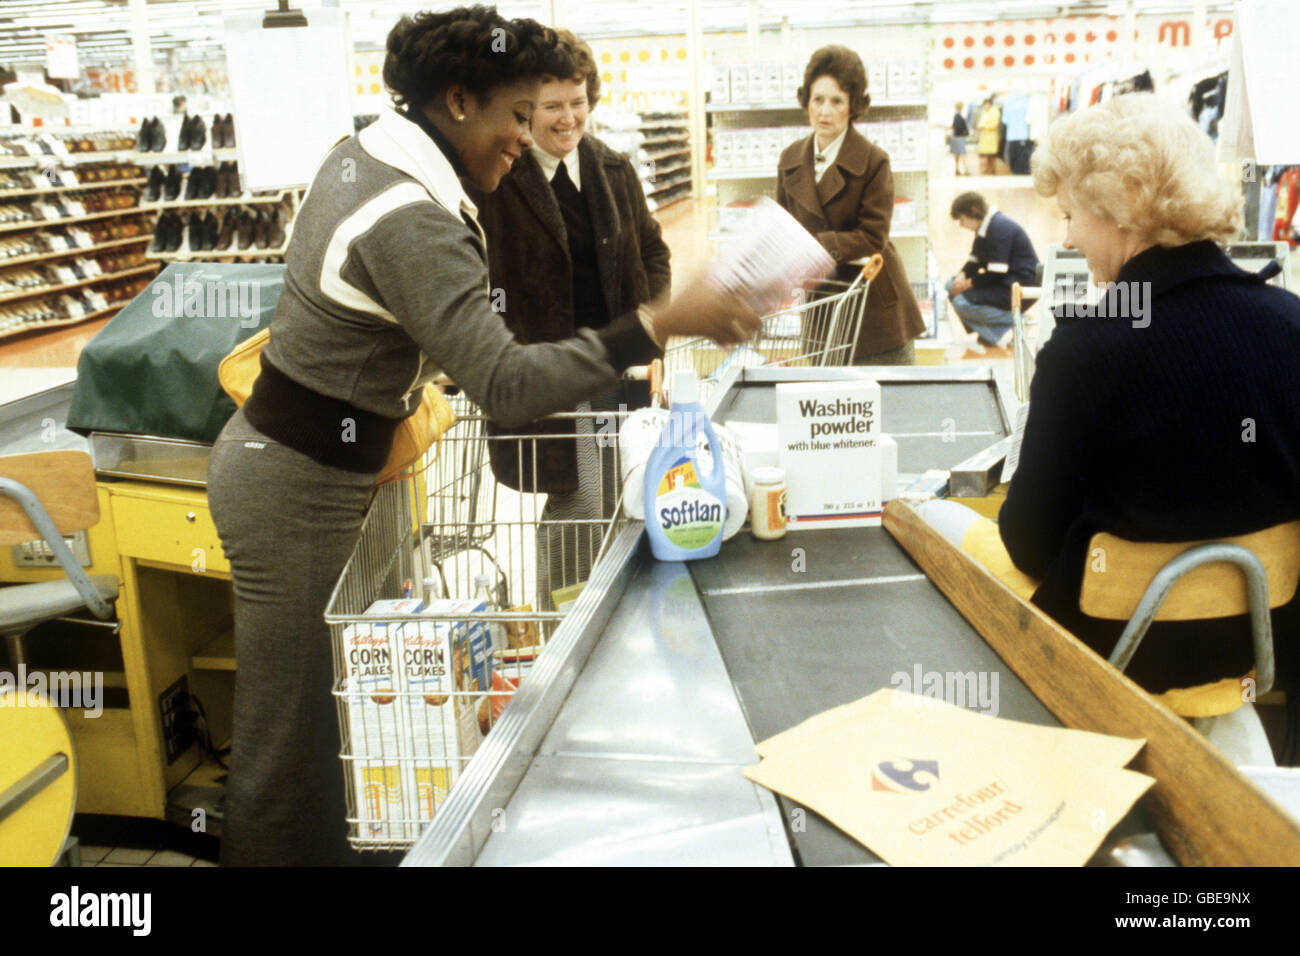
x,y
172,638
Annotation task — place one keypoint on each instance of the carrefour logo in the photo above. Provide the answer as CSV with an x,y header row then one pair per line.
x,y
898,776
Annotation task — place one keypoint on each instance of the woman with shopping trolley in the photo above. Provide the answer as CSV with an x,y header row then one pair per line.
x,y
838,185
572,245
386,286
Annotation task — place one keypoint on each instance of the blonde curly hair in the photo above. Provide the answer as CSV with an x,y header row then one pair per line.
x,y
1138,162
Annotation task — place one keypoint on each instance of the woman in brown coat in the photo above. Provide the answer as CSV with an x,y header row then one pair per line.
x,y
840,188
571,244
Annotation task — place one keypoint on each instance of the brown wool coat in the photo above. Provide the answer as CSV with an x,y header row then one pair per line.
x,y
532,277
850,212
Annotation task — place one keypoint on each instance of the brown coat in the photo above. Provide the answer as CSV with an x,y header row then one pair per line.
x,y
532,279
850,212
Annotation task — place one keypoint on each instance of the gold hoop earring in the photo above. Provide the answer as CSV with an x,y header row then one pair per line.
x,y
460,118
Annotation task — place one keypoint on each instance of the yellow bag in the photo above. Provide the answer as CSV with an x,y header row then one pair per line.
x,y
414,436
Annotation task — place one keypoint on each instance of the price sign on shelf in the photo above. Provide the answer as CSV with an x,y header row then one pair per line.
x,y
290,92
61,57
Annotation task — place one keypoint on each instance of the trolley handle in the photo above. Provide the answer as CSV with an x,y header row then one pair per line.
x,y
871,268
1015,296
656,374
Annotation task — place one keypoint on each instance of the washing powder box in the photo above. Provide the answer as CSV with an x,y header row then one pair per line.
x,y
829,443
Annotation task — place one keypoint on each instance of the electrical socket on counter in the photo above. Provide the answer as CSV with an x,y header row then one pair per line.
x,y
38,554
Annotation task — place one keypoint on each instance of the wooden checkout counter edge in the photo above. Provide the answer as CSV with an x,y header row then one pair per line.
x,y
1206,812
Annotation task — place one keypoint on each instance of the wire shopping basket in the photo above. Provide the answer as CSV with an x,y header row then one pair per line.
x,y
418,688
819,329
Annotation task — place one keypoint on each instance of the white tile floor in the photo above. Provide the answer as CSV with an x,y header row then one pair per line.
x,y
125,856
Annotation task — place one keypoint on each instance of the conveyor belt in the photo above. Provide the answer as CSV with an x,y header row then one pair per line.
x,y
859,618
936,424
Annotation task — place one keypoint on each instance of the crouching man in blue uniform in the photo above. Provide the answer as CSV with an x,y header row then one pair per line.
x,y
1001,255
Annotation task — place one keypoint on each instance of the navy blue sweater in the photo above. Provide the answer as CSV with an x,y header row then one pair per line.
x,y
1002,256
1184,428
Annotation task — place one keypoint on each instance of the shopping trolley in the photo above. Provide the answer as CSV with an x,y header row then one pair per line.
x,y
819,328
418,691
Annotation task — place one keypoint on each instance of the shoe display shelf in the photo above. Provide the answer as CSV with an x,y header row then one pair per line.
x,y
248,226
72,232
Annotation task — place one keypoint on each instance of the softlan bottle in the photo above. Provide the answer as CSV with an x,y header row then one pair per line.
x,y
685,509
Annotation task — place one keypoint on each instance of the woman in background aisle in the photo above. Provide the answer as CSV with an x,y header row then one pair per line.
x,y
571,244
385,286
989,126
840,188
957,133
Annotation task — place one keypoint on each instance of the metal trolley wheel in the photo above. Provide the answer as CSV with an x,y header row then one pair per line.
x,y
38,780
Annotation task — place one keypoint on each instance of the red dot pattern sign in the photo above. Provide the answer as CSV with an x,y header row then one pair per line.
x,y
1062,43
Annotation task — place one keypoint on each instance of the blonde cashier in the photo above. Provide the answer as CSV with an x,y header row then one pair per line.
x,y
385,286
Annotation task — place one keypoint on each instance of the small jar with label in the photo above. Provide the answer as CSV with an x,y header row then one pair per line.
x,y
767,503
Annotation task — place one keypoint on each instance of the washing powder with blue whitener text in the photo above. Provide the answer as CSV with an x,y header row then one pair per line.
x,y
685,509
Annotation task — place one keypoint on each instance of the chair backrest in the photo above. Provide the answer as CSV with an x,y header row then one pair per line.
x,y
63,481
1117,572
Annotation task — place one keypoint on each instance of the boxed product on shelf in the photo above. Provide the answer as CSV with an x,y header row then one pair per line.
x,y
896,79
791,80
722,146
740,84
904,212
876,77
756,82
720,84
772,78
914,78
775,143
912,141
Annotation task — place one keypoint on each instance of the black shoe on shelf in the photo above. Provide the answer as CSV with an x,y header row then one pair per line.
x,y
159,138
261,231
183,138
230,131
154,189
172,184
177,234
210,231
210,182
144,138
192,182
275,230
226,236
244,229
198,133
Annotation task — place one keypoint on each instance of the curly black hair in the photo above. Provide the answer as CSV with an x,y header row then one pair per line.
x,y
844,67
474,47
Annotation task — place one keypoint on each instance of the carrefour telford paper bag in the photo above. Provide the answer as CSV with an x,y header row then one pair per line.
x,y
930,784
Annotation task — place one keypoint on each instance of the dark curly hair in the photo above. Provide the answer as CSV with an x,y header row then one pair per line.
x,y
844,67
474,47
585,61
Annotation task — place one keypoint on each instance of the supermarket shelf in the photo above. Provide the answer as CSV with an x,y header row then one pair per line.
x,y
54,289
62,323
666,170
189,255
71,159
664,124
85,187
661,206
192,157
214,201
714,174
49,223
685,137
684,151
81,251
904,103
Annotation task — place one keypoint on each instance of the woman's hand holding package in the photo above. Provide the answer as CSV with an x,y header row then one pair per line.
x,y
703,309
